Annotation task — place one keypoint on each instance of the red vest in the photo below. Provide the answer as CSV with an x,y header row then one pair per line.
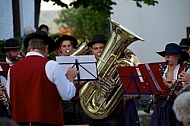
x,y
5,68
32,96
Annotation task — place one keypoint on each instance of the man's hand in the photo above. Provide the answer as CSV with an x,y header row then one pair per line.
x,y
71,74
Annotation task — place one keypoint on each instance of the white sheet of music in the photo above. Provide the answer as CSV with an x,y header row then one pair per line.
x,y
86,65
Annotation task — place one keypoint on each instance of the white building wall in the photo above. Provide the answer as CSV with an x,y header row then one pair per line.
x,y
6,20
157,25
27,14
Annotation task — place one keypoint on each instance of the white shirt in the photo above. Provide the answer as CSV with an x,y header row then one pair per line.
x,y
7,61
176,70
55,74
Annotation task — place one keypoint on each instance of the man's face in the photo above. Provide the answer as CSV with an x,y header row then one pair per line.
x,y
66,48
97,49
13,55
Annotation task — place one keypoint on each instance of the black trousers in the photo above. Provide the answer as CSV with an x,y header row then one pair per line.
x,y
37,124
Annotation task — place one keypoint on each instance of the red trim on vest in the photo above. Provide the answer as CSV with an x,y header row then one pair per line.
x,y
33,97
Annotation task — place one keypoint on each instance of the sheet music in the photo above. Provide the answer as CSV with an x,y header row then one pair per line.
x,y
86,65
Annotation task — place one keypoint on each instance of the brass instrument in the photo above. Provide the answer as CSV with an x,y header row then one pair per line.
x,y
100,99
82,49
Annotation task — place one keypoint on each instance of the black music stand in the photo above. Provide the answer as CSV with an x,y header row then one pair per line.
x,y
85,64
143,79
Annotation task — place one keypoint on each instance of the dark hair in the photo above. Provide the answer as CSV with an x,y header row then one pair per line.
x,y
7,122
43,26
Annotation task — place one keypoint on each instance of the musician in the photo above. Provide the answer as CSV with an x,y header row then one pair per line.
x,y
181,108
185,44
36,92
66,45
175,58
97,46
184,76
12,52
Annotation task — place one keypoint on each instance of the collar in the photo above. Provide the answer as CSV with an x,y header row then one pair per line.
x,y
8,61
34,54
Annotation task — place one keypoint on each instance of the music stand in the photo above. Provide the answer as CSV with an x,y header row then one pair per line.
x,y
85,64
142,79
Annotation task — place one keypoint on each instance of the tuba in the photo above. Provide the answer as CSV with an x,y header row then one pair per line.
x,y
100,99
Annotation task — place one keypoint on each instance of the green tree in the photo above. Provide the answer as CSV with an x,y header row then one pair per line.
x,y
99,5
84,22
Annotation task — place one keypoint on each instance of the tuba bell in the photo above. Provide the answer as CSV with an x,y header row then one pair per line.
x,y
100,99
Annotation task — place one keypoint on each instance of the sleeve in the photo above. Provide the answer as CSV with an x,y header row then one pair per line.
x,y
55,74
8,84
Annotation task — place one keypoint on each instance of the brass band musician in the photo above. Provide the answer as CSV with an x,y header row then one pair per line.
x,y
175,58
66,44
185,76
12,52
97,46
36,92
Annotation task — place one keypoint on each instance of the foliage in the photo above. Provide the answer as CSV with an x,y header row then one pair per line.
x,y
148,2
99,5
84,22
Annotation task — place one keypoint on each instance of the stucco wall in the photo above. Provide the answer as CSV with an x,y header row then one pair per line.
x,y
27,14
6,20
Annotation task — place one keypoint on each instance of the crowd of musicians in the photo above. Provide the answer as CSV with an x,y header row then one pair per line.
x,y
34,91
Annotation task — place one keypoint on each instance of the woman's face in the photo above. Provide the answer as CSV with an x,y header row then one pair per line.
x,y
172,58
66,48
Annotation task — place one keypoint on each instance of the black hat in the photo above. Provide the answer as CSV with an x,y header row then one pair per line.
x,y
98,38
173,48
185,43
11,43
43,26
41,35
67,37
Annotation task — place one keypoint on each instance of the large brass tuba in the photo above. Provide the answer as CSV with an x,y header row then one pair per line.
x,y
100,99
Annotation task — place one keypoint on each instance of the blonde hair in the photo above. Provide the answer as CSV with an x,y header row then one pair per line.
x,y
36,44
